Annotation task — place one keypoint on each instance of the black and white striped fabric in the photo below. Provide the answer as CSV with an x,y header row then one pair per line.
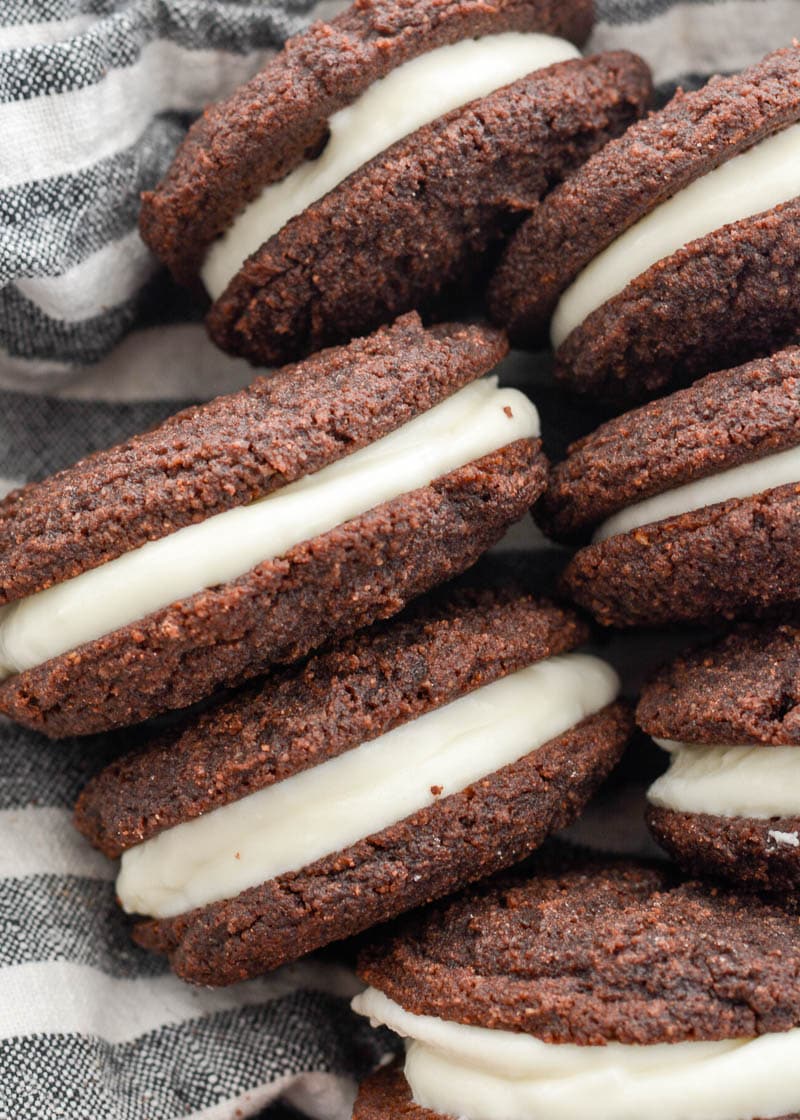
x,y
95,344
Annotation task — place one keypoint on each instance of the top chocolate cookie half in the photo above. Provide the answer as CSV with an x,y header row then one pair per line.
x,y
251,529
672,251
495,988
745,688
299,201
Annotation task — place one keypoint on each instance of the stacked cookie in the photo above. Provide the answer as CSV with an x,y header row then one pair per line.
x,y
265,541
584,988
416,757
245,532
692,501
376,165
727,714
684,509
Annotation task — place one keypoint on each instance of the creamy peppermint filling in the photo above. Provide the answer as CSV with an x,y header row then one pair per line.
x,y
743,481
475,421
412,95
742,781
749,184
479,1074
287,826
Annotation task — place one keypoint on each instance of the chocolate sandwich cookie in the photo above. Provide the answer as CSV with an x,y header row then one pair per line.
x,y
601,989
415,757
250,530
674,250
694,500
373,164
729,715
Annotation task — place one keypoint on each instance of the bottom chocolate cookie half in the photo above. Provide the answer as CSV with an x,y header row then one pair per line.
x,y
764,854
724,298
738,558
386,1094
461,838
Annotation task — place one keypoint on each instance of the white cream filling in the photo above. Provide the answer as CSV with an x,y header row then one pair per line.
x,y
289,825
413,95
479,1074
746,185
741,781
744,481
475,421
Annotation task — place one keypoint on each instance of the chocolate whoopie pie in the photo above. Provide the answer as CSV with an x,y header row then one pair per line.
x,y
729,714
603,989
413,758
372,164
250,530
673,251
694,499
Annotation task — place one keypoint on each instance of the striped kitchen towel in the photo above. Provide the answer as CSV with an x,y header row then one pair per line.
x,y
96,344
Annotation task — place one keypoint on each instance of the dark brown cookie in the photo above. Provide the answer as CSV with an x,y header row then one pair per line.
x,y
233,450
728,559
463,837
655,159
739,558
669,961
727,418
368,250
386,1095
322,589
743,689
223,455
440,648
443,647
277,119
762,854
